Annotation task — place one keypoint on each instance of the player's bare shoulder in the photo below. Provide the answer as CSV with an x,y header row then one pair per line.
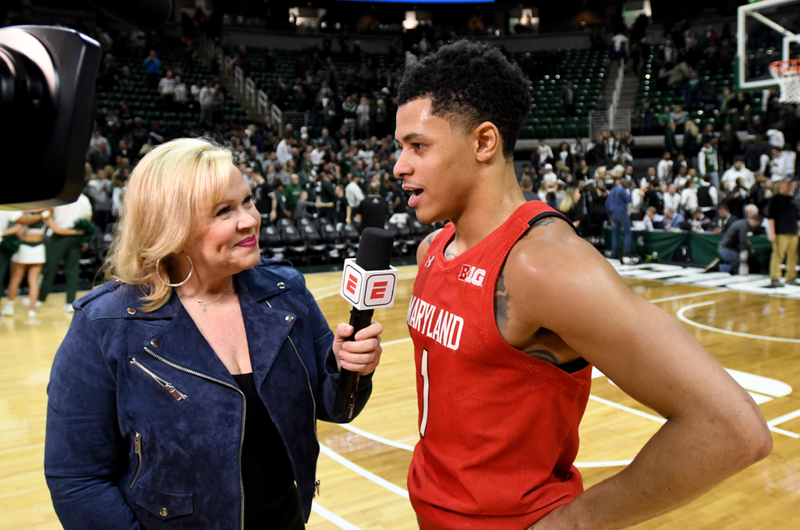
x,y
552,258
422,249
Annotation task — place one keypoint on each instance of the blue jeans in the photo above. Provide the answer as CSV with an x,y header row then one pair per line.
x,y
620,222
729,257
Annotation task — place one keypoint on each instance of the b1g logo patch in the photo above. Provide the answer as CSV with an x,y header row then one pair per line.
x,y
472,275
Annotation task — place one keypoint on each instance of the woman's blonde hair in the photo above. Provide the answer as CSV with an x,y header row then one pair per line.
x,y
569,200
170,194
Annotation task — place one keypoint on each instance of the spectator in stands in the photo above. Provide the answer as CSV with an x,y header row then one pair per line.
x,y
679,117
101,157
545,153
599,155
672,219
206,105
571,206
292,192
690,147
775,136
549,178
100,192
166,87
578,149
724,218
782,164
707,197
693,90
373,211
652,220
180,96
619,46
526,185
568,99
664,168
708,162
729,145
617,206
284,151
738,171
783,216
152,67
672,199
353,191
363,117
565,157
689,197
218,104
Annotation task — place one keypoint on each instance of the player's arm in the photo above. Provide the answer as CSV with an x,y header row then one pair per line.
x,y
422,249
713,428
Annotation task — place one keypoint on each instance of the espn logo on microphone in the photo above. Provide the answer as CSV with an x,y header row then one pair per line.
x,y
368,289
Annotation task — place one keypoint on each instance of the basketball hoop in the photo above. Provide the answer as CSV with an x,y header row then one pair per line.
x,y
787,74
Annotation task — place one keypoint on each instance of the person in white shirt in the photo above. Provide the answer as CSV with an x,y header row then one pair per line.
x,y
782,164
206,104
664,167
545,152
689,198
64,245
180,96
738,171
353,193
650,217
549,178
775,137
578,149
672,199
284,149
166,87
318,154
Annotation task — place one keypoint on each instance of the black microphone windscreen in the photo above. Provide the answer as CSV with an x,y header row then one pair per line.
x,y
147,15
375,249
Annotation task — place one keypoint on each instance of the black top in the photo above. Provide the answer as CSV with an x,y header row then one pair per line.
x,y
266,470
735,237
784,210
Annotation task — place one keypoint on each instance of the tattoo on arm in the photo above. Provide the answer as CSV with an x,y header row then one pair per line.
x,y
429,239
449,254
501,299
544,222
543,355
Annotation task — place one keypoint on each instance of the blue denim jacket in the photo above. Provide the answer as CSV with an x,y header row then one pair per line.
x,y
145,424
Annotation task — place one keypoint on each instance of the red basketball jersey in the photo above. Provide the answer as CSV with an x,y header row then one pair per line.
x,y
499,428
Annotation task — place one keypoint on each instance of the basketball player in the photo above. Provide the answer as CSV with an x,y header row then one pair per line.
x,y
510,308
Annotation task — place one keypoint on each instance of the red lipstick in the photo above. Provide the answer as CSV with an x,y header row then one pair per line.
x,y
248,243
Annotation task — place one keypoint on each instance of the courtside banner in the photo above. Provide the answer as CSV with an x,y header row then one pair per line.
x,y
368,289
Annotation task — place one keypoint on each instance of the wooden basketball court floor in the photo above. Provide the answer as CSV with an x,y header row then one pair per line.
x,y
363,466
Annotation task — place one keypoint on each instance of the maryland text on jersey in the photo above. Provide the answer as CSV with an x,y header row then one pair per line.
x,y
438,324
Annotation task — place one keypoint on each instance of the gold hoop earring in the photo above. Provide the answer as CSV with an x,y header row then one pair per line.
x,y
175,284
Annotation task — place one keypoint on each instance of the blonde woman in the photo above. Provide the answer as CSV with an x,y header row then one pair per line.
x,y
192,381
571,206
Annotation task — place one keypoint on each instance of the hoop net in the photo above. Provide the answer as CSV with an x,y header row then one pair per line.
x,y
787,74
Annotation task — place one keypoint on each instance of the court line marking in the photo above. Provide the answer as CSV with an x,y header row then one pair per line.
x,y
784,418
682,318
700,293
376,438
627,409
363,472
332,517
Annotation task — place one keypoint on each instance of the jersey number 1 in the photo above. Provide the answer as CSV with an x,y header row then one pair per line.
x,y
426,383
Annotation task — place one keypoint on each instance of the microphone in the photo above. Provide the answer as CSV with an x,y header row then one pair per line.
x,y
147,15
368,282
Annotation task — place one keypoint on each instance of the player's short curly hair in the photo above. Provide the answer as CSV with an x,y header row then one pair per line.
x,y
469,83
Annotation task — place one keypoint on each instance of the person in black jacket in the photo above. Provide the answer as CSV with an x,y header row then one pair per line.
x,y
373,210
735,240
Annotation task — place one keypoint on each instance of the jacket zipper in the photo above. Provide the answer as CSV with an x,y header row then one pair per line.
x,y
308,379
166,385
311,391
244,416
137,448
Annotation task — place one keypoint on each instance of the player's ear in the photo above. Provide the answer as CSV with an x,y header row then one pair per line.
x,y
488,142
